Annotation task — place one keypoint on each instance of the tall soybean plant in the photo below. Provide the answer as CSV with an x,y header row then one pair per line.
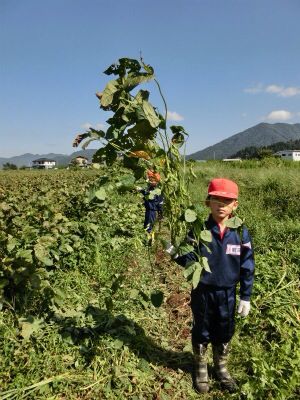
x,y
138,131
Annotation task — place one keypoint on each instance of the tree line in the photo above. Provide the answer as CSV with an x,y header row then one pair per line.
x,y
266,151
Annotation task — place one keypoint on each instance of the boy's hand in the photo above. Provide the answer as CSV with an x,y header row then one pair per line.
x,y
244,308
170,249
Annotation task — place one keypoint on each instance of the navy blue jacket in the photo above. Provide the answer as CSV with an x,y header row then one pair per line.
x,y
154,204
231,259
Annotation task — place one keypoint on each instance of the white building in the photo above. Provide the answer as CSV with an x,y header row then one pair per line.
x,y
232,159
43,163
293,155
80,161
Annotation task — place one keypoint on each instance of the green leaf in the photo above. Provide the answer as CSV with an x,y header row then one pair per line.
x,y
185,248
29,326
124,64
67,337
65,247
98,157
190,215
11,243
153,193
35,281
4,206
206,236
92,134
151,114
177,129
148,68
25,255
134,79
134,293
60,293
42,254
157,298
204,262
197,275
110,155
107,96
126,183
117,282
142,95
142,130
113,132
100,194
234,222
188,272
177,140
118,344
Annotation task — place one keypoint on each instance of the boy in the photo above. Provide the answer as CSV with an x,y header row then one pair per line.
x,y
153,202
213,301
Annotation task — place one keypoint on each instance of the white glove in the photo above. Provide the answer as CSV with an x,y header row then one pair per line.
x,y
244,308
170,249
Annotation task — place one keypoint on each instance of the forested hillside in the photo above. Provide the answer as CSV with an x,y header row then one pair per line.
x,y
259,152
260,135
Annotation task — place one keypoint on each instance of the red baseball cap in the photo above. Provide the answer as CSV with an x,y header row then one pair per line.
x,y
224,188
153,176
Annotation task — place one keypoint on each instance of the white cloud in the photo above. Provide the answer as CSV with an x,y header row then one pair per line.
x,y
290,91
274,89
174,116
279,90
283,91
279,115
88,125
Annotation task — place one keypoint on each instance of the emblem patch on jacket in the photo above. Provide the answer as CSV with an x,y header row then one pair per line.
x,y
233,249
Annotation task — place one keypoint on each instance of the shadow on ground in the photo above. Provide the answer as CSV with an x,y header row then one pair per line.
x,y
127,332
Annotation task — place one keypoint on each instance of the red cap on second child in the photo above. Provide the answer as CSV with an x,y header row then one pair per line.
x,y
224,188
153,176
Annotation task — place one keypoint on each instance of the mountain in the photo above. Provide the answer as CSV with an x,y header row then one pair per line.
x,y
61,159
258,136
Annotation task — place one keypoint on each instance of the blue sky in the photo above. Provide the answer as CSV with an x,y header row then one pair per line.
x,y
223,65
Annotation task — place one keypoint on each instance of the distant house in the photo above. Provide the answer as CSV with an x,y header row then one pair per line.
x,y
80,161
232,159
293,155
43,163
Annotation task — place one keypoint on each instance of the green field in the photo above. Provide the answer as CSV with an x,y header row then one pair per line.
x,y
76,319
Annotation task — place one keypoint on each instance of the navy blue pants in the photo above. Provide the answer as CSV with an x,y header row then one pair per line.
x,y
213,314
150,217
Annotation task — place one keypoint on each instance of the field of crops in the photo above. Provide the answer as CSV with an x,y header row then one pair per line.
x,y
79,288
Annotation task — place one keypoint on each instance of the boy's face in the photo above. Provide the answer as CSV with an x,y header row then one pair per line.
x,y
153,183
221,207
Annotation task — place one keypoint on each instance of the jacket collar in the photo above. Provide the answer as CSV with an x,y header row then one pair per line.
x,y
213,226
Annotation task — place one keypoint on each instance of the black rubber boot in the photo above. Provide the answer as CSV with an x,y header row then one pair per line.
x,y
200,374
220,356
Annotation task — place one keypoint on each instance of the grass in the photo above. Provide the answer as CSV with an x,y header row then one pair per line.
x,y
107,341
